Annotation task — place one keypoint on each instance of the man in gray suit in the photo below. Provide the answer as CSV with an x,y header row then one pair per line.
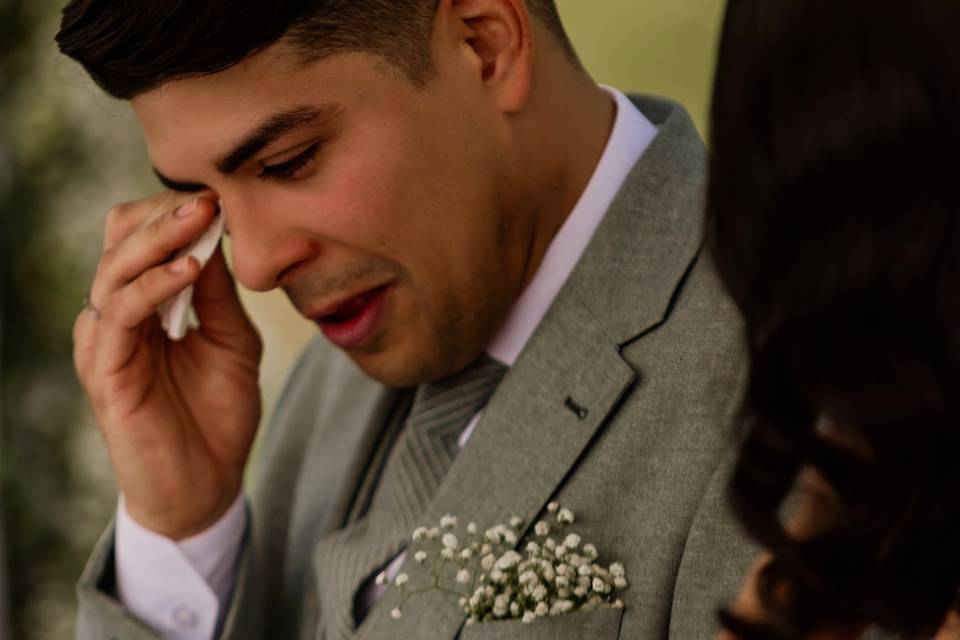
x,y
504,260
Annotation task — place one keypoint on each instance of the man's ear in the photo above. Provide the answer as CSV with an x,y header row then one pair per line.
x,y
497,36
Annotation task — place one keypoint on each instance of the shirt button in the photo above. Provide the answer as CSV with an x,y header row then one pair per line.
x,y
184,617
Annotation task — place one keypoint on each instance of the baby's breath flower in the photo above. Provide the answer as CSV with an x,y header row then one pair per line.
x,y
508,560
381,579
561,606
488,561
549,573
395,613
552,576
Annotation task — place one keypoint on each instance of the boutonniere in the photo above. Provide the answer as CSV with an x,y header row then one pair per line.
x,y
555,573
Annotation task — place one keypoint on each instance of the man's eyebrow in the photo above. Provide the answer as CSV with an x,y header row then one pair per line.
x,y
272,128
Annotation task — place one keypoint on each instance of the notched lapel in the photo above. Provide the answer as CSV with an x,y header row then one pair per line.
x,y
652,233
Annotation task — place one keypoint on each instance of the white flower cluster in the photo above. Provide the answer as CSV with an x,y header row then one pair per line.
x,y
556,573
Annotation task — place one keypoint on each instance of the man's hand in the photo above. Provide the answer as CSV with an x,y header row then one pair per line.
x,y
178,418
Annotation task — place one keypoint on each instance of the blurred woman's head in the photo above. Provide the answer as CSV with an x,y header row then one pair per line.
x,y
834,219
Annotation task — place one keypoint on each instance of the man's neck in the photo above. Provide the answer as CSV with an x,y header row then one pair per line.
x,y
578,119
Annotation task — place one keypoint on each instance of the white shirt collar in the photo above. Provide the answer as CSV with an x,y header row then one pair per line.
x,y
632,134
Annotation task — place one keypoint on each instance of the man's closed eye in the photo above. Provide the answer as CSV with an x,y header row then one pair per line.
x,y
293,168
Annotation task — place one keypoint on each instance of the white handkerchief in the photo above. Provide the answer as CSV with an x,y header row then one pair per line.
x,y
175,312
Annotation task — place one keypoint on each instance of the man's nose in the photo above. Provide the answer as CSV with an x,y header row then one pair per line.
x,y
264,250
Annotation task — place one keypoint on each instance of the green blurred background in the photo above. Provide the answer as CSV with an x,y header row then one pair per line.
x,y
66,154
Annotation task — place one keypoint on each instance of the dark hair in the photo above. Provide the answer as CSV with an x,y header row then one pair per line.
x,y
834,220
132,46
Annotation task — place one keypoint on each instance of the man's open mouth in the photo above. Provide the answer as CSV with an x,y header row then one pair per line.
x,y
350,308
356,320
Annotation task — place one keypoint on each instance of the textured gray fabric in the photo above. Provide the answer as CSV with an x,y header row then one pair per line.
x,y
641,337
416,467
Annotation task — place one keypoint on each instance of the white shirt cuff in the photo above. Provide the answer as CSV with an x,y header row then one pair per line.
x,y
179,589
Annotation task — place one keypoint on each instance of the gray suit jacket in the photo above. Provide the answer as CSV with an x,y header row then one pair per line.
x,y
641,336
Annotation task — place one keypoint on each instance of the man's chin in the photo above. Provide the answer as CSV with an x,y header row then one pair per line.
x,y
390,367
400,368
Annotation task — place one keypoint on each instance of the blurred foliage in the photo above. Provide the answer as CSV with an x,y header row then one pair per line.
x,y
41,284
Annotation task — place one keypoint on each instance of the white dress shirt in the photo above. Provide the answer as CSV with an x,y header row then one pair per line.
x,y
182,589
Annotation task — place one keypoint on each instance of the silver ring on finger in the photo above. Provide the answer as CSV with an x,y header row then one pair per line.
x,y
88,306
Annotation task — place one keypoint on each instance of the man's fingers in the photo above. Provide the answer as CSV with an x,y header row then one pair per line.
x,y
119,328
150,245
84,342
218,305
123,219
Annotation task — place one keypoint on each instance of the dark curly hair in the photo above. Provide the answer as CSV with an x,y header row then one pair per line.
x,y
834,220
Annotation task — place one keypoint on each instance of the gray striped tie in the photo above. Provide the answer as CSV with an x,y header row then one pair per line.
x,y
415,468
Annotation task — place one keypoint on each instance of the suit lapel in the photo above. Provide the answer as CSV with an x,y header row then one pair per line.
x,y
571,376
